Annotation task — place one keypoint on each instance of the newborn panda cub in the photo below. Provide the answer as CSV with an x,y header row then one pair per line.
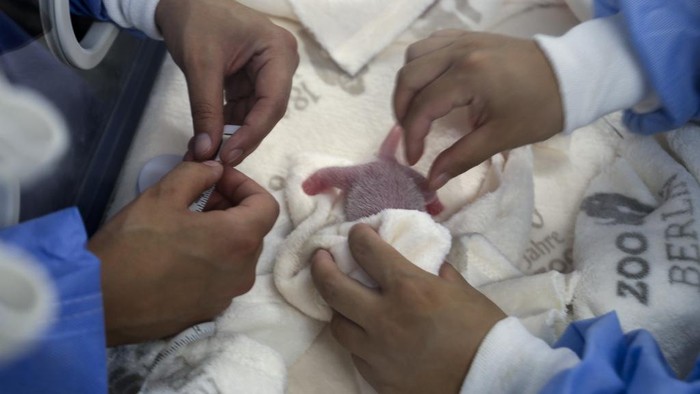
x,y
382,184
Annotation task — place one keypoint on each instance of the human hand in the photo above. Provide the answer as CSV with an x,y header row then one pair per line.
x,y
417,333
506,84
222,45
165,268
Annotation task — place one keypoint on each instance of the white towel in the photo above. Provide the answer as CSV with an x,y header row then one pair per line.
x,y
348,118
221,364
209,361
637,245
355,31
489,234
415,234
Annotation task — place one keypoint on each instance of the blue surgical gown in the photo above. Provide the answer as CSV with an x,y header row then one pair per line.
x,y
614,362
92,8
666,37
71,356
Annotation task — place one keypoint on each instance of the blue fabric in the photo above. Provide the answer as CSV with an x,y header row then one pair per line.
x,y
666,37
96,10
614,362
71,356
92,8
12,36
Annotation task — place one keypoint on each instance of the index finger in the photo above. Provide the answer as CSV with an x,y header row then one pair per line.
x,y
239,195
273,84
205,85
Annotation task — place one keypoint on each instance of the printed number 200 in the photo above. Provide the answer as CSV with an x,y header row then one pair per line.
x,y
640,291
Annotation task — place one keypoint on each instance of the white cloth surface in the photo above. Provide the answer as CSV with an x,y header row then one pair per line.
x,y
223,363
355,31
512,219
636,253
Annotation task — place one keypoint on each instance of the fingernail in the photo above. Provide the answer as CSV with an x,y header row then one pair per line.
x,y
439,181
212,163
202,145
412,157
232,156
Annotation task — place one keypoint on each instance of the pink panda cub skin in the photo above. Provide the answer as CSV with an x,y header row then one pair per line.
x,y
382,184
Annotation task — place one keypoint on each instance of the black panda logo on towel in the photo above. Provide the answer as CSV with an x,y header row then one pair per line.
x,y
615,209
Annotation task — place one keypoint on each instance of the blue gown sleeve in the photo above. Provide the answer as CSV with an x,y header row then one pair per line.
x,y
665,35
613,362
92,8
71,356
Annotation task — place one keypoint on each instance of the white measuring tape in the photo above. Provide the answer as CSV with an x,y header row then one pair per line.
x,y
190,335
198,206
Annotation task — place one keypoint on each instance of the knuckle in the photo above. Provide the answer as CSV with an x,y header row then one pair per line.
x,y
475,59
246,282
412,50
248,243
198,58
204,111
274,211
288,40
403,77
279,108
327,286
212,308
406,289
164,190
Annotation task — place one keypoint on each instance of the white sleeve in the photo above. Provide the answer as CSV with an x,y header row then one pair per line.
x,y
511,360
597,70
137,14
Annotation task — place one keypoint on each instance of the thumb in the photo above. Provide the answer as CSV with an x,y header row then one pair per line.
x,y
186,182
450,274
205,86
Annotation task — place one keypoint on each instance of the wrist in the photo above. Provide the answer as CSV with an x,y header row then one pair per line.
x,y
161,14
